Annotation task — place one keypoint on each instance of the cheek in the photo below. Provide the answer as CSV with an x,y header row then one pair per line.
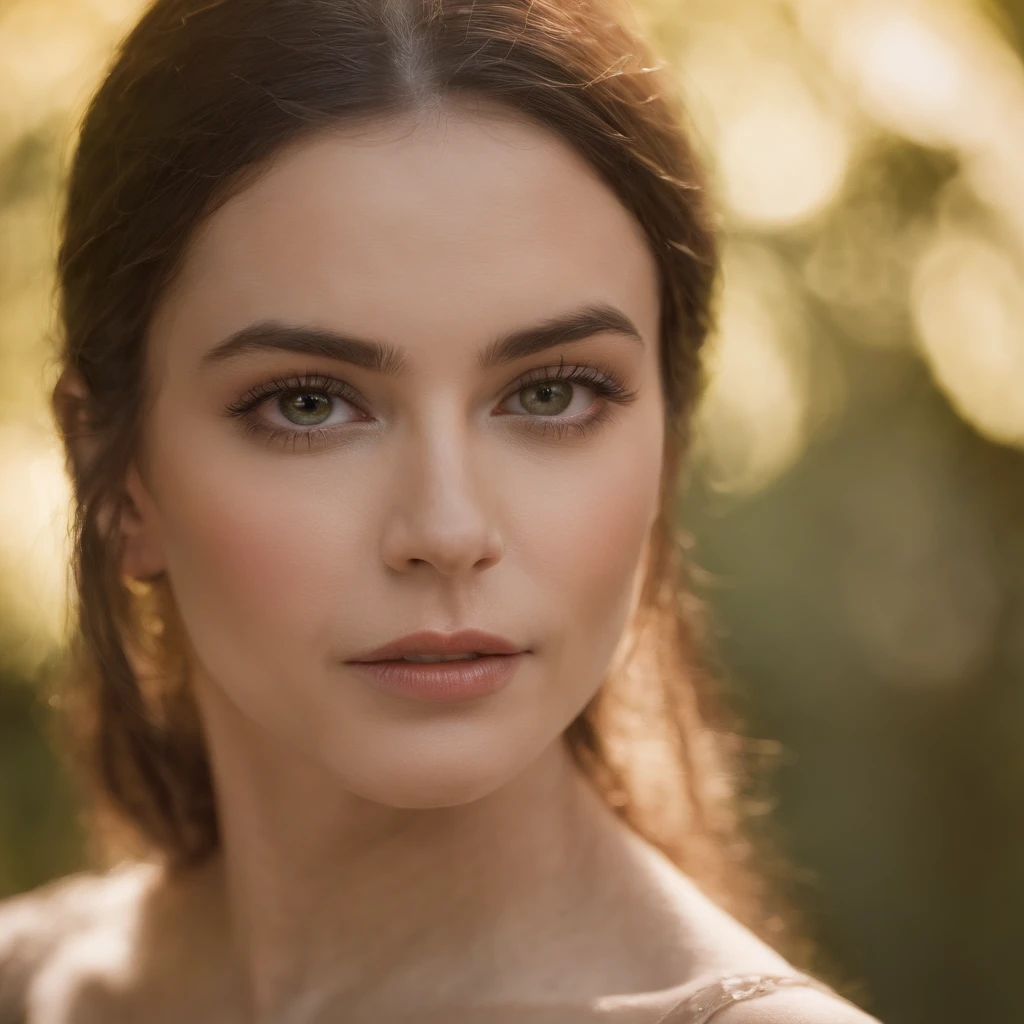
x,y
602,545
256,558
586,547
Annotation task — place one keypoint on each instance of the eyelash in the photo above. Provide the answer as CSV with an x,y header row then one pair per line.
x,y
602,380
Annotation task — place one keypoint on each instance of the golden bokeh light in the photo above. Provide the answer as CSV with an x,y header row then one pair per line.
x,y
969,309
34,513
782,157
753,419
934,72
50,54
780,152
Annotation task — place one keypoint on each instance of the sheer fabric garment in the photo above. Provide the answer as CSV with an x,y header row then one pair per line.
x,y
701,1006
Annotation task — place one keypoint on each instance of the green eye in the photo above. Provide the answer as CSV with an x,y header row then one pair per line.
x,y
560,389
305,408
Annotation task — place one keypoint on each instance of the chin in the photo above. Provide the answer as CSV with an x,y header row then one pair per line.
x,y
430,788
445,769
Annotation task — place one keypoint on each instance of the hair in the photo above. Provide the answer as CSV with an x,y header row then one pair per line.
x,y
199,95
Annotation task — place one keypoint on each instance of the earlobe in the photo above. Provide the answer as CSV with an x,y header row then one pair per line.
x,y
142,556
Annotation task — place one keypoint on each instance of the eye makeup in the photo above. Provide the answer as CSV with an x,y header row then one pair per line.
x,y
606,383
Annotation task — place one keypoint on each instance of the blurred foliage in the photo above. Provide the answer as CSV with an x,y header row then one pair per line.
x,y
856,492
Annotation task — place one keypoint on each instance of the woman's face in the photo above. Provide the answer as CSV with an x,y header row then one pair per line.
x,y
302,526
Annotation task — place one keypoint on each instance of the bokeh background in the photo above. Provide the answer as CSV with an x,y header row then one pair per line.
x,y
857,488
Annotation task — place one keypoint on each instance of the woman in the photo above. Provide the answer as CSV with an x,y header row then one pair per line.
x,y
381,328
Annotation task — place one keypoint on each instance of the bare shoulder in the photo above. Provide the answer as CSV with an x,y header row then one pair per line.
x,y
63,935
715,946
794,1006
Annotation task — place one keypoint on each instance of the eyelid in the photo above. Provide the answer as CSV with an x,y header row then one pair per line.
x,y
309,381
607,384
585,373
317,380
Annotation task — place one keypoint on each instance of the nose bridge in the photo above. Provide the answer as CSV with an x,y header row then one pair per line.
x,y
440,510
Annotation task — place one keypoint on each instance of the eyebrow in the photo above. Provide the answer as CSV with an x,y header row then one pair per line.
x,y
382,357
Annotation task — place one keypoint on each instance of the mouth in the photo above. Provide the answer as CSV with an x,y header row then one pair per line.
x,y
433,659
427,645
448,680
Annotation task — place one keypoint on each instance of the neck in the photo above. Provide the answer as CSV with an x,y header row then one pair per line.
x,y
340,902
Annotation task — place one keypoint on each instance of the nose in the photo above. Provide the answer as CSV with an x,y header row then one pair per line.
x,y
443,511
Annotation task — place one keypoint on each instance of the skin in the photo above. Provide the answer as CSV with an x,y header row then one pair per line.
x,y
386,859
424,508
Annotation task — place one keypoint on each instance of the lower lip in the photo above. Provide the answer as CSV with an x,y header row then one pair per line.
x,y
442,681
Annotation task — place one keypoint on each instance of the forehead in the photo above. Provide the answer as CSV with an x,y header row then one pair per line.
x,y
454,225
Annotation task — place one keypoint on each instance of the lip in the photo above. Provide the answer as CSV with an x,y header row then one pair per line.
x,y
440,682
432,641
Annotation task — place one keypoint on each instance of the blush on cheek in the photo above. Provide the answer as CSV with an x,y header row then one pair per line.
x,y
255,568
606,545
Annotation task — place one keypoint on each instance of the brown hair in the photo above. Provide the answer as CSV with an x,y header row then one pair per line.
x,y
199,94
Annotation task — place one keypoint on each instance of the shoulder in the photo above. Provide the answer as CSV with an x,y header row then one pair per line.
x,y
64,936
719,947
795,1005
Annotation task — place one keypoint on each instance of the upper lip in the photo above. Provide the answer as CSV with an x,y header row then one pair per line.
x,y
432,641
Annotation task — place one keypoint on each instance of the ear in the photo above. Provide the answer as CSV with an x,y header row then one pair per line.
x,y
142,551
141,547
